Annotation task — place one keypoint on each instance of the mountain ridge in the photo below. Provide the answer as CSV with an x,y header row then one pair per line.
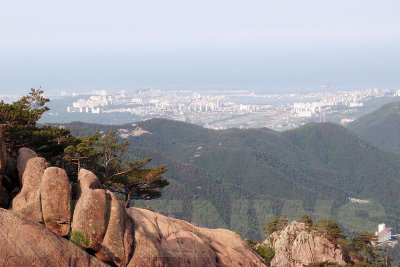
x,y
380,127
240,178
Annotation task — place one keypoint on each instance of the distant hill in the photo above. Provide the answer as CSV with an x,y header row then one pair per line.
x,y
240,178
381,127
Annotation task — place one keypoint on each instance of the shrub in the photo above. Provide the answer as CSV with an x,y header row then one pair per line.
x,y
79,239
276,224
266,252
331,230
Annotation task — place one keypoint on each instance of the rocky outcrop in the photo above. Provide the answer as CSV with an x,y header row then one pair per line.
x,y
90,211
298,246
45,195
118,240
24,154
230,248
164,241
136,237
55,194
26,243
27,202
102,219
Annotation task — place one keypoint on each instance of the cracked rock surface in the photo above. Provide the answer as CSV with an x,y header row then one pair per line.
x,y
165,241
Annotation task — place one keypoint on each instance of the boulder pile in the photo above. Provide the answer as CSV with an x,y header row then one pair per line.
x,y
43,215
24,242
110,236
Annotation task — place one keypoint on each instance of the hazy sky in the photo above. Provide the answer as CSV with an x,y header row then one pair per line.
x,y
268,46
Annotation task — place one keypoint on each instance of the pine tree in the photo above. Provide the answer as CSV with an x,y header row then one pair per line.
x,y
18,119
26,111
18,127
331,230
131,178
363,243
307,221
82,153
276,224
105,156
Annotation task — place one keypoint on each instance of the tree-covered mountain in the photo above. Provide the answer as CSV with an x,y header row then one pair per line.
x,y
240,178
381,127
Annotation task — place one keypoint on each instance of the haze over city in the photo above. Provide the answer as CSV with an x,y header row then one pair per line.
x,y
264,46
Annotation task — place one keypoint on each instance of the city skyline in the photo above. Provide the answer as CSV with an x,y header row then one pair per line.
x,y
217,109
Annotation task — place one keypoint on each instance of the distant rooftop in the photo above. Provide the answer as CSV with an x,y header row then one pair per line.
x,y
384,231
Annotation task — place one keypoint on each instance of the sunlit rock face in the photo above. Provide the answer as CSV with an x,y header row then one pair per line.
x,y
165,241
296,245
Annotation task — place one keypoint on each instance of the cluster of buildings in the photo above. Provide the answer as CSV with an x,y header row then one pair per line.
x,y
221,110
352,99
92,104
145,102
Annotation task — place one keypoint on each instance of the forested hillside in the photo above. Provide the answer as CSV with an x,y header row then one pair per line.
x,y
240,178
381,127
